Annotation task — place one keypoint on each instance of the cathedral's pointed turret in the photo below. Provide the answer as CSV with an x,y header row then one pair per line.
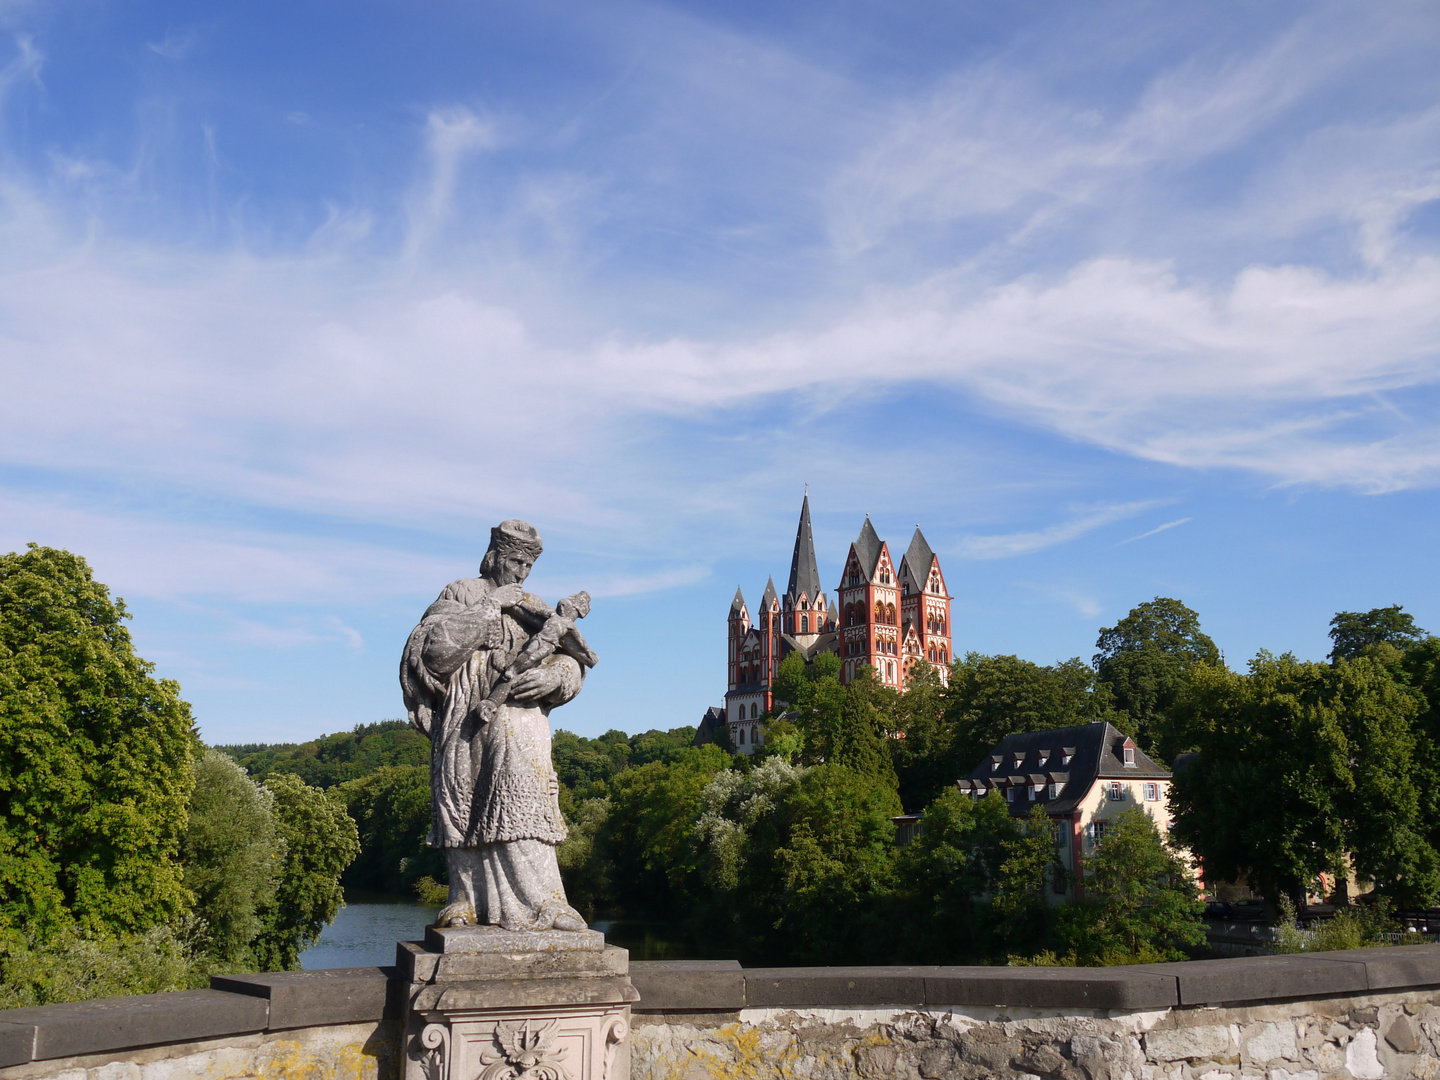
x,y
804,572
738,604
918,557
769,597
867,548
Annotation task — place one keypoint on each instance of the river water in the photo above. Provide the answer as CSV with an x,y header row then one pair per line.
x,y
365,931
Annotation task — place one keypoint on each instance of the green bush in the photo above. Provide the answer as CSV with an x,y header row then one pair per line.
x,y
73,965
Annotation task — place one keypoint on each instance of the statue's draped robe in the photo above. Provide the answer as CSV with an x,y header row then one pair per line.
x,y
493,788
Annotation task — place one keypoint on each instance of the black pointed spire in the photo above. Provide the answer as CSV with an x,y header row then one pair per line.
x,y
769,594
738,603
919,556
804,573
867,548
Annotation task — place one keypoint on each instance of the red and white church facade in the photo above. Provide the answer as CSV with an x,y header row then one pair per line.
x,y
885,616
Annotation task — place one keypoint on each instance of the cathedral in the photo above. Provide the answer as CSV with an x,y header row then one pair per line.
x,y
885,616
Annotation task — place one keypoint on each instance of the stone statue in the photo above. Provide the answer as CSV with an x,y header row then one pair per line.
x,y
480,675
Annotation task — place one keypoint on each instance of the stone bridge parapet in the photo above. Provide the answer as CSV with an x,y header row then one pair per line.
x,y
1362,1015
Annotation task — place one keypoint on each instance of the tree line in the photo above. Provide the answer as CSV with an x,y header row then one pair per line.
x,y
123,837
133,858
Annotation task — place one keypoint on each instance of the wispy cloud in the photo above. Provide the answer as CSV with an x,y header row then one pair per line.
x,y
1024,543
175,45
1157,529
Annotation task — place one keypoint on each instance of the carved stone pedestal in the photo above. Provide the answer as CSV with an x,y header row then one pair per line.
x,y
491,1004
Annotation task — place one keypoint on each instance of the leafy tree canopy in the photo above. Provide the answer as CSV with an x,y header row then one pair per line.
x,y
95,758
994,696
1142,901
1145,660
320,842
232,857
1303,767
1353,631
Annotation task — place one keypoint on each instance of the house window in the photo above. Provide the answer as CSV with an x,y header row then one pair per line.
x,y
1152,792
1130,757
1116,793
1009,794
1034,790
1054,790
1097,830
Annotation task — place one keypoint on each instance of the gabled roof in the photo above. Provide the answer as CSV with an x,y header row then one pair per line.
x,y
867,548
804,572
769,594
1096,756
919,557
738,602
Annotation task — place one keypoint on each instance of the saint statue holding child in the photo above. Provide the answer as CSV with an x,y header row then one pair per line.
x,y
480,675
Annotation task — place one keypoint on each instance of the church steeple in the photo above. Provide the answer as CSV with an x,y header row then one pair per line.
x,y
804,571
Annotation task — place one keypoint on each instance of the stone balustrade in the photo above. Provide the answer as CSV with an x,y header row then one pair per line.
x,y
1362,1014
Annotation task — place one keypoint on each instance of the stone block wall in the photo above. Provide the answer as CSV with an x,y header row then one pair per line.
x,y
1358,1015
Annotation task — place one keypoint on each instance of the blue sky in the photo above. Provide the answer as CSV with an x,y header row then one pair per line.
x,y
1115,300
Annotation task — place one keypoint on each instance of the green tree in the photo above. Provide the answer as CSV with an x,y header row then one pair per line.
x,y
391,810
990,697
1028,865
647,835
1353,631
924,740
946,871
1143,903
1145,659
1301,769
232,859
583,866
95,758
833,868
320,842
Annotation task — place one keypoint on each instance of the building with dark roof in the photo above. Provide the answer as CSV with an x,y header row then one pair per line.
x,y
892,618
1084,777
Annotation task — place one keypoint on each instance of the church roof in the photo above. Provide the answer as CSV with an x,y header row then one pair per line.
x,y
769,594
867,548
804,573
919,556
738,602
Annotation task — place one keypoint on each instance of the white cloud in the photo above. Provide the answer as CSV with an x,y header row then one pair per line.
x,y
1025,543
175,45
1157,529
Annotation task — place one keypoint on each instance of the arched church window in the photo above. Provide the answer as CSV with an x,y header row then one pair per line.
x,y
754,711
740,736
879,612
804,624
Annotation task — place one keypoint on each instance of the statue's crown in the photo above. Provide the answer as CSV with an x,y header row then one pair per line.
x,y
516,534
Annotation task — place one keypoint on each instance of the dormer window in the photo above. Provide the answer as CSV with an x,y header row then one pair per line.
x,y
994,762
1068,754
1129,753
1054,790
1019,760
1044,756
